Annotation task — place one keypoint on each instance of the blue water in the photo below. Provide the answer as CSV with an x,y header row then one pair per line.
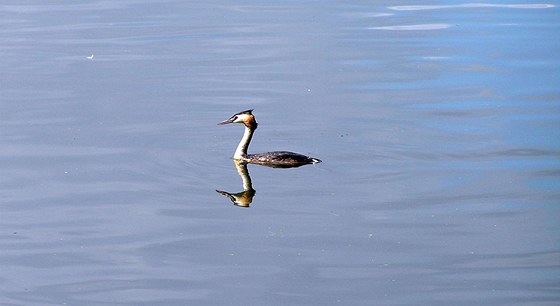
x,y
438,125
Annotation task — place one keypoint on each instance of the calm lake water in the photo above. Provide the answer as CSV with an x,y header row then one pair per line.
x,y
438,125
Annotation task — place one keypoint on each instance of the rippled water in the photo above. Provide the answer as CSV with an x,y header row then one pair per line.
x,y
438,127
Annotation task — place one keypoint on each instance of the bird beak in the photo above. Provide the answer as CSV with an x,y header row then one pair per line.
x,y
230,120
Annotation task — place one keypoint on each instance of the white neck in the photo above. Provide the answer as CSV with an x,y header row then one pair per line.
x,y
241,151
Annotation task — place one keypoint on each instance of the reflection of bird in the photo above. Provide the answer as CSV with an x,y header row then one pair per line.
x,y
245,197
278,159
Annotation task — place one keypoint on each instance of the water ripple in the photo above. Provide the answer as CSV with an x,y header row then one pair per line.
x,y
469,5
415,27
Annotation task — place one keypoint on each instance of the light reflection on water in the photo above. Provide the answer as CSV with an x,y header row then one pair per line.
x,y
437,124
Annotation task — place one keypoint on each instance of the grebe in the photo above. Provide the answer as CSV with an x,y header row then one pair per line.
x,y
277,159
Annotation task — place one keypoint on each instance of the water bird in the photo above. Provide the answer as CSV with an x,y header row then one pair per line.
x,y
276,159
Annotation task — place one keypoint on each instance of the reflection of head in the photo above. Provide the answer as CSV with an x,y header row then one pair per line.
x,y
241,199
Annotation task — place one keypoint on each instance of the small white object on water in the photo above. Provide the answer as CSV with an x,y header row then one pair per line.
x,y
90,57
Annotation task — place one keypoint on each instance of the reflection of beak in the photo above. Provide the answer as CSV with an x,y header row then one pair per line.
x,y
230,120
227,194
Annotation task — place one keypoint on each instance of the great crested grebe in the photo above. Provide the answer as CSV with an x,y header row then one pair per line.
x,y
277,159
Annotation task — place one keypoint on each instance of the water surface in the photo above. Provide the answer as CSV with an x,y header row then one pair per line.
x,y
438,126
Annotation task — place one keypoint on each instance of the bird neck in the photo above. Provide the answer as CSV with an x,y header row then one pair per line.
x,y
241,151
